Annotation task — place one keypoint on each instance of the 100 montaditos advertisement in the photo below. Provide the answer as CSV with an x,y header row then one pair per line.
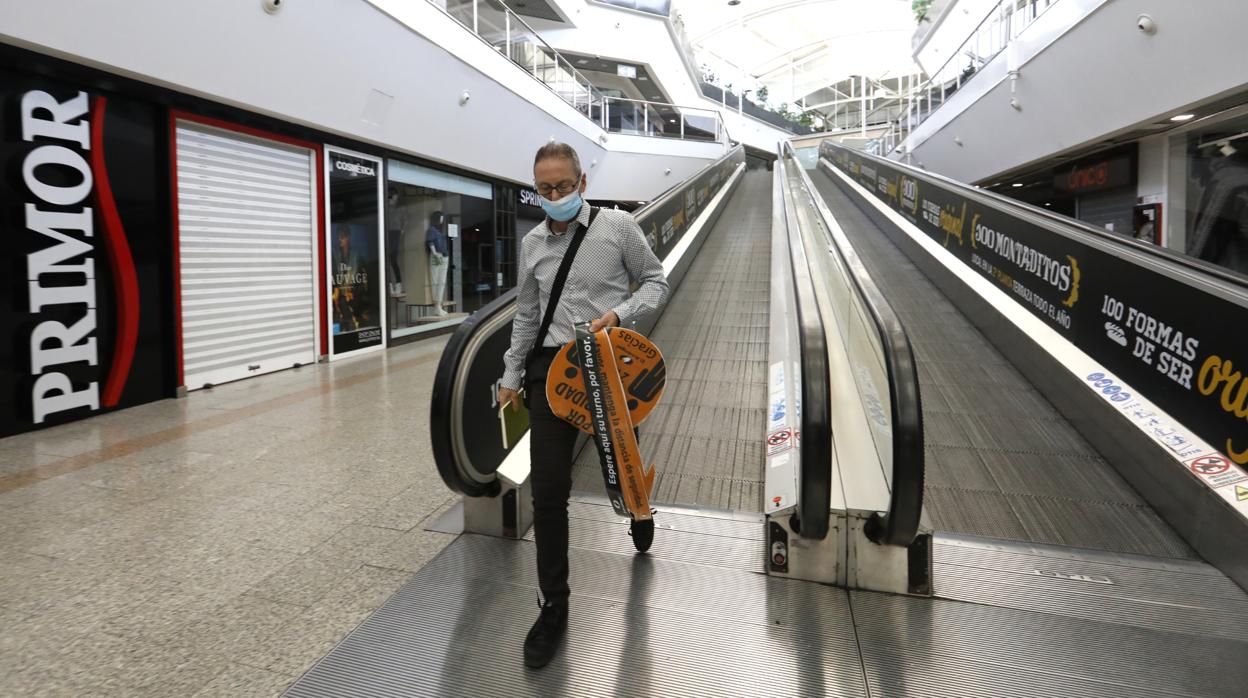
x,y
1184,348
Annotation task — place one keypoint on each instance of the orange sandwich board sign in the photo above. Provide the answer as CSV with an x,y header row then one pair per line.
x,y
605,383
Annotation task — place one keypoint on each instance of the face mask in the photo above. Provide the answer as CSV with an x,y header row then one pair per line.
x,y
564,209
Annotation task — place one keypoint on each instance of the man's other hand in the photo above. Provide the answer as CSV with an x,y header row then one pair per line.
x,y
609,319
507,395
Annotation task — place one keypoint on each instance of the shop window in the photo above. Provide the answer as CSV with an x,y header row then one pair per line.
x,y
1210,204
440,247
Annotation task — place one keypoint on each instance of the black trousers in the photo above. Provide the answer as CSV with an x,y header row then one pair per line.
x,y
551,441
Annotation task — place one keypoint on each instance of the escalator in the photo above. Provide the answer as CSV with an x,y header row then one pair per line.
x,y
1048,575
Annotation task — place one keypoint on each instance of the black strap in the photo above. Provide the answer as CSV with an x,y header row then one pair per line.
x,y
557,288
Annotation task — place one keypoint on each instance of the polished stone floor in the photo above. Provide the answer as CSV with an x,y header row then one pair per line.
x,y
220,544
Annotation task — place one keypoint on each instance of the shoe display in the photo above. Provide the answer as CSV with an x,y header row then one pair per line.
x,y
642,533
542,643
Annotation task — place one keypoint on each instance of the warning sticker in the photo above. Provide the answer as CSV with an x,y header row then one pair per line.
x,y
1209,465
779,441
1241,493
1217,470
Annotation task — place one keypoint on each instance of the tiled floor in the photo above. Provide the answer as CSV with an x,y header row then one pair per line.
x,y
220,544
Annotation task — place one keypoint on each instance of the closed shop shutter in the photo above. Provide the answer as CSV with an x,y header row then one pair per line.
x,y
246,218
1115,207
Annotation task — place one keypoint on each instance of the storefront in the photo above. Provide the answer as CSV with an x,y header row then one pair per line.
x,y
440,242
355,287
86,310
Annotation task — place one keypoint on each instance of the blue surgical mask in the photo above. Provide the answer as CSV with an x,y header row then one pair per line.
x,y
564,209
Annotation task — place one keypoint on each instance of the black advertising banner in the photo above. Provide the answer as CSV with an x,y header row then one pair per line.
x,y
354,252
667,222
86,297
1183,348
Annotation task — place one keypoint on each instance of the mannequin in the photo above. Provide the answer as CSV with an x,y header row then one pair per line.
x,y
395,223
436,246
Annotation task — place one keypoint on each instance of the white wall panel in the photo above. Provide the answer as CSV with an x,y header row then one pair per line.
x,y
1086,74
345,67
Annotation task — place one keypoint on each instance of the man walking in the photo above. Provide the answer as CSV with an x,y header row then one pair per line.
x,y
607,251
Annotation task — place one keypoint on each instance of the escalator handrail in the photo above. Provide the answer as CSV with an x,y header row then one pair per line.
x,y
900,524
815,456
442,416
1066,226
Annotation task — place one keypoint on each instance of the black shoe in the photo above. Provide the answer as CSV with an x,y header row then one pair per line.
x,y
543,641
642,533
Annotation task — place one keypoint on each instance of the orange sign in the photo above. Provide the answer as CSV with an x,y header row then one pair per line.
x,y
605,393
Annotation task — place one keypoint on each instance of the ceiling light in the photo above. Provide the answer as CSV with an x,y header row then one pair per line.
x,y
1182,117
734,3
672,121
1016,185
1047,203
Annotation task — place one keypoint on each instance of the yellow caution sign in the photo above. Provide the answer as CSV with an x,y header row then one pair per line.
x,y
1241,493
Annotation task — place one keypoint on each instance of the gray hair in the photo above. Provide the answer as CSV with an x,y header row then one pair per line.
x,y
555,149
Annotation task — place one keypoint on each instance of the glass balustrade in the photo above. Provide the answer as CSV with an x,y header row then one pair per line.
x,y
511,36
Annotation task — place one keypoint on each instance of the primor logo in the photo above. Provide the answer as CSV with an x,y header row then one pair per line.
x,y
58,179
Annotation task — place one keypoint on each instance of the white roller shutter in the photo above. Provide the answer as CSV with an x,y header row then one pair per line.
x,y
246,222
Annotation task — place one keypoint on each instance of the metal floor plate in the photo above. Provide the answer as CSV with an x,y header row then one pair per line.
x,y
1014,620
640,626
706,433
1001,461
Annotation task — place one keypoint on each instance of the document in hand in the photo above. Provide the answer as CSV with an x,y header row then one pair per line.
x,y
514,423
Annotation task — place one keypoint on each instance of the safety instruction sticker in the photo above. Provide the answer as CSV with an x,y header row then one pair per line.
x,y
779,441
1219,473
1217,470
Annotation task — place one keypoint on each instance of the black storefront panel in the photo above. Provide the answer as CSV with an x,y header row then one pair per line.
x,y
86,304
1182,347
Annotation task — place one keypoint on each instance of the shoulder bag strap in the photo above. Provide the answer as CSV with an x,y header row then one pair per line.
x,y
557,288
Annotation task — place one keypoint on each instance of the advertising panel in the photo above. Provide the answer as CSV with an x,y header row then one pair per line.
x,y
87,292
667,222
353,244
1180,345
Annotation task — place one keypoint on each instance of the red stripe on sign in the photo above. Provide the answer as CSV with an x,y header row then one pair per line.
x,y
125,281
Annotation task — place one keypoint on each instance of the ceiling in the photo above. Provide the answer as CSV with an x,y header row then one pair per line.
x,y
799,47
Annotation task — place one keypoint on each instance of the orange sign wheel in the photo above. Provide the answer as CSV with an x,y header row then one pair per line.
x,y
605,383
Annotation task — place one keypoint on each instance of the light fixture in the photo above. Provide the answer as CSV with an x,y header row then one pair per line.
x,y
1226,148
734,3
1182,117
671,121
1016,185
1048,203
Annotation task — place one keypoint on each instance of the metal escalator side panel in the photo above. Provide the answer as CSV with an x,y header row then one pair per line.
x,y
815,488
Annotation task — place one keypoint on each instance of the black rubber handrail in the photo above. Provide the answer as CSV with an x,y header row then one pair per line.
x,y
452,364
900,524
815,465
1058,223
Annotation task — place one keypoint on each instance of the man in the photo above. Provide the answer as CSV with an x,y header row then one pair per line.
x,y
612,253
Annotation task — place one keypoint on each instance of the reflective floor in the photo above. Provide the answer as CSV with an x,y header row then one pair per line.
x,y
216,545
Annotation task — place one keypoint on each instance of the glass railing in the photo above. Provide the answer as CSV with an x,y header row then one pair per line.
x,y
1001,25
507,33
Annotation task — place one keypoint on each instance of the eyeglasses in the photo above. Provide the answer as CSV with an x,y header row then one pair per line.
x,y
562,188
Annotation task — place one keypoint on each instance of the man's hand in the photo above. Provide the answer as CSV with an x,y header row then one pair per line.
x,y
507,395
609,319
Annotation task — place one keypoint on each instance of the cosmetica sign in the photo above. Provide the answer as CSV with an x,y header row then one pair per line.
x,y
73,307
1178,344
